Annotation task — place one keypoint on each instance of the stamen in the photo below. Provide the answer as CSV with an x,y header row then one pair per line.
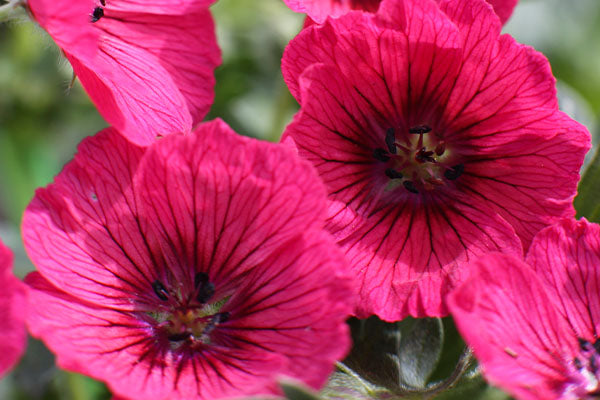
x,y
390,140
103,2
393,174
178,337
200,278
160,290
420,129
455,172
410,186
380,155
206,289
440,148
97,14
424,156
221,317
597,345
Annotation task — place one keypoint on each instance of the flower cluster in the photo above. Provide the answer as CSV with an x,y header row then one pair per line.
x,y
177,259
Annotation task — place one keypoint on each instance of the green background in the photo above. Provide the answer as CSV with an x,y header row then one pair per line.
x,y
42,120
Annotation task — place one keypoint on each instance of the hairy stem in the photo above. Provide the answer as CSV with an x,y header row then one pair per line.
x,y
7,9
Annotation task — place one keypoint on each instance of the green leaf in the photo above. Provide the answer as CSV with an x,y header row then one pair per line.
x,y
419,350
294,391
587,202
399,356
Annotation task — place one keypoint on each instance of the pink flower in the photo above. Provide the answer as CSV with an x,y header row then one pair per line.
x,y
437,139
319,10
193,268
148,66
12,304
534,326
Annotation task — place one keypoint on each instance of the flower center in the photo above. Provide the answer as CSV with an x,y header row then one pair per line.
x,y
188,321
585,381
420,163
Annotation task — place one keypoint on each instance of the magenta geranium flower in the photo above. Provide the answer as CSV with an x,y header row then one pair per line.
x,y
438,139
319,10
534,326
148,66
193,268
12,304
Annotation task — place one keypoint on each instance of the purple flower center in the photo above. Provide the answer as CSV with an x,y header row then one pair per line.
x,y
187,320
585,373
419,162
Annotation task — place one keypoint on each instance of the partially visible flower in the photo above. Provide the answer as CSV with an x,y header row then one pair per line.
x,y
196,267
12,304
319,10
148,66
535,325
438,140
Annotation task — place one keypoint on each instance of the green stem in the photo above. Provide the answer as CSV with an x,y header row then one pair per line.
x,y
7,9
464,362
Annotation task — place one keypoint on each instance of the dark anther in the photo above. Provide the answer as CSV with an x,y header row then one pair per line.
x,y
380,155
424,156
200,278
597,346
160,290
206,289
103,2
97,14
221,317
393,174
178,337
455,172
577,363
390,140
419,129
410,186
583,344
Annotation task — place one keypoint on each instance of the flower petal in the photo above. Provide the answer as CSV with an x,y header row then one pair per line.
x,y
12,304
506,316
82,231
117,348
229,203
566,257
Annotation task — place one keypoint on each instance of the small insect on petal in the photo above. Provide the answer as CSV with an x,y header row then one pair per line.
x,y
97,14
511,352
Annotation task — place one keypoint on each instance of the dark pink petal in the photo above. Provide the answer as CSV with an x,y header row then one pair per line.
x,y
159,7
421,129
566,257
505,314
12,306
82,231
196,267
230,202
503,8
296,305
407,252
150,74
319,10
119,349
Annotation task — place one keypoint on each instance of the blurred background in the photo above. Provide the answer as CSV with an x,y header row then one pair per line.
x,y
42,120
